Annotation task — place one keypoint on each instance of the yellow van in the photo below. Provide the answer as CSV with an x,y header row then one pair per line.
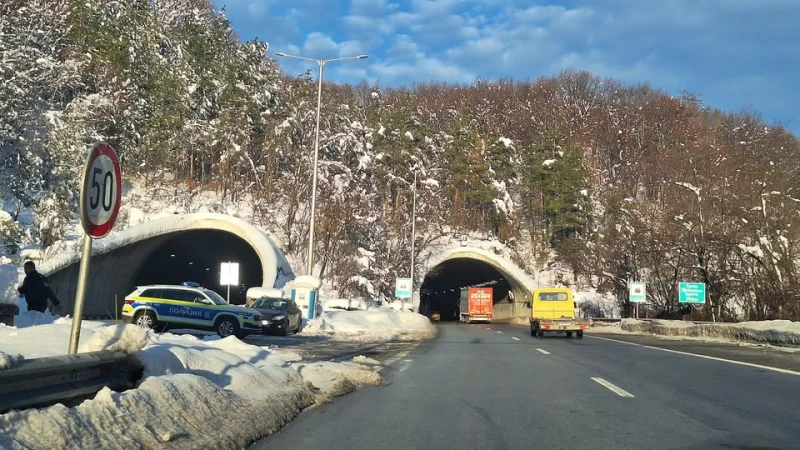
x,y
553,309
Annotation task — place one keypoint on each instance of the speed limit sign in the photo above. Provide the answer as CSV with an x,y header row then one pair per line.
x,y
101,192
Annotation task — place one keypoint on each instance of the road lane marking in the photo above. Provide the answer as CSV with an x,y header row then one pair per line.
x,y
488,328
499,332
514,338
542,351
713,358
402,355
617,390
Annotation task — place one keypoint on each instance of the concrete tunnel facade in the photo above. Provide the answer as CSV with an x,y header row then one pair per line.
x,y
466,266
169,250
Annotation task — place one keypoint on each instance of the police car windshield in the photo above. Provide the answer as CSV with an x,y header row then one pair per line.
x,y
215,297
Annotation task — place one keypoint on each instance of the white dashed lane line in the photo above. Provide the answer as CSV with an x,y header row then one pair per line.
x,y
499,332
615,389
545,352
515,338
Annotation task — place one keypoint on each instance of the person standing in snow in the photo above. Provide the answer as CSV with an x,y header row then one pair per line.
x,y
36,290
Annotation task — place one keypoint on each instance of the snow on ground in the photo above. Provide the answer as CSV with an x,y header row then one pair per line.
x,y
763,333
190,386
781,332
380,324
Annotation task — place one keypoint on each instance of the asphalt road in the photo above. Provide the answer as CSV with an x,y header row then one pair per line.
x,y
487,387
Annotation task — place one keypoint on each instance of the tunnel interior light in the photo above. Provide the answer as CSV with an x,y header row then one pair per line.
x,y
190,263
172,255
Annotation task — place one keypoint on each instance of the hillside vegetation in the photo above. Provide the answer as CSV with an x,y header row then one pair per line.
x,y
624,182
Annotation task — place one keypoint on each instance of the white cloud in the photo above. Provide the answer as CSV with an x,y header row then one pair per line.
x,y
320,45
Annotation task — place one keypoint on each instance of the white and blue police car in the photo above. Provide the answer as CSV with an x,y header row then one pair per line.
x,y
188,306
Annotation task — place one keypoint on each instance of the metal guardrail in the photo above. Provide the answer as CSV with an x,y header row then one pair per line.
x,y
67,379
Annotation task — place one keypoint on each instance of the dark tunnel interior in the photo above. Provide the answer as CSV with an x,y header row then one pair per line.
x,y
440,290
196,255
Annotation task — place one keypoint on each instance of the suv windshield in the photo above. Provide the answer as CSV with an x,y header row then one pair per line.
x,y
216,298
269,303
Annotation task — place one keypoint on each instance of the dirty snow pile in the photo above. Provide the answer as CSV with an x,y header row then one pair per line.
x,y
380,324
212,393
781,332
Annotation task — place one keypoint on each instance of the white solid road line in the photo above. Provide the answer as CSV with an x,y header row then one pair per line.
x,y
393,360
542,351
515,338
713,358
617,390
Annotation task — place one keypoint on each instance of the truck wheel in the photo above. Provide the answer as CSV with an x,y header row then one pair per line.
x,y
580,334
533,332
569,334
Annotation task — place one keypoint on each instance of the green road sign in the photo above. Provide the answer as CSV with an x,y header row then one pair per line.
x,y
636,292
691,292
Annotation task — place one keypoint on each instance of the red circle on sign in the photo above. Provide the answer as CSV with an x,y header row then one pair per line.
x,y
100,230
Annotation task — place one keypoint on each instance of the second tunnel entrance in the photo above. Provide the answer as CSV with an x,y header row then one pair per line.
x,y
441,288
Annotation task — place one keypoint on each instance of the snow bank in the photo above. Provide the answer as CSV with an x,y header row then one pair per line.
x,y
9,280
336,379
781,332
215,393
9,361
381,324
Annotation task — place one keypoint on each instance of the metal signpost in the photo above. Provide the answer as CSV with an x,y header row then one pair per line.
x,y
101,194
637,294
229,276
402,290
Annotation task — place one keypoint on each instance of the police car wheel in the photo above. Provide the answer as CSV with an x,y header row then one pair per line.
x,y
226,327
146,320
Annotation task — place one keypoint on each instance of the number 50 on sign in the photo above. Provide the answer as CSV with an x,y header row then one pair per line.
x,y
102,191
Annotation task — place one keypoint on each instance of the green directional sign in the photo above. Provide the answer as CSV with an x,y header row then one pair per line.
x,y
691,292
637,292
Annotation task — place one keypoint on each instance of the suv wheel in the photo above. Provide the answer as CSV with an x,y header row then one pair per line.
x,y
146,320
227,326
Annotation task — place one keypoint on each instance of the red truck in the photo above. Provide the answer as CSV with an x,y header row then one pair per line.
x,y
476,304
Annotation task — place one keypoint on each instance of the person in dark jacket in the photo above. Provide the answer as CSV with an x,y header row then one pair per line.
x,y
36,289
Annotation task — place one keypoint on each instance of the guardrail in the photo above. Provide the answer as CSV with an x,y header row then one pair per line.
x,y
67,379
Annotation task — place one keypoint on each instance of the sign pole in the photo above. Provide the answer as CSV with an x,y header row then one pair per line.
x,y
80,294
101,195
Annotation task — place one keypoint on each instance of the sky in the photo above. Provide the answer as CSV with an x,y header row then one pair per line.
x,y
733,54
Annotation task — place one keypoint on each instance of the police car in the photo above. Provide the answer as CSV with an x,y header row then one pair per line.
x,y
188,306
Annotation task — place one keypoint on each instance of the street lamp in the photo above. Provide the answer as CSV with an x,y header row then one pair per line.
x,y
321,63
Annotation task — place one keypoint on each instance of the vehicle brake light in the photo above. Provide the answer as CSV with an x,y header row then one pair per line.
x,y
583,327
546,326
128,301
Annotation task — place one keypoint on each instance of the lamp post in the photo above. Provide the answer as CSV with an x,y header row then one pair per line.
x,y
413,232
321,63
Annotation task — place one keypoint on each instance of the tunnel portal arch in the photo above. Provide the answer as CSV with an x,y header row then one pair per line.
x,y
166,250
469,266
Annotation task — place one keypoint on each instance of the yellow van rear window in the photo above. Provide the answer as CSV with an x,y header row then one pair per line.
x,y
553,297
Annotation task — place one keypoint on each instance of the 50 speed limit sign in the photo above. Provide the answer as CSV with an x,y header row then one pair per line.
x,y
101,191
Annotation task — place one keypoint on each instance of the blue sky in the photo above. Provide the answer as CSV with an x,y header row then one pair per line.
x,y
734,54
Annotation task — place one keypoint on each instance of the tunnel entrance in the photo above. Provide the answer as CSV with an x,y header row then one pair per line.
x,y
441,288
196,255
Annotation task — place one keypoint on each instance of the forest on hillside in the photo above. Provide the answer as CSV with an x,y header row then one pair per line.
x,y
624,183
